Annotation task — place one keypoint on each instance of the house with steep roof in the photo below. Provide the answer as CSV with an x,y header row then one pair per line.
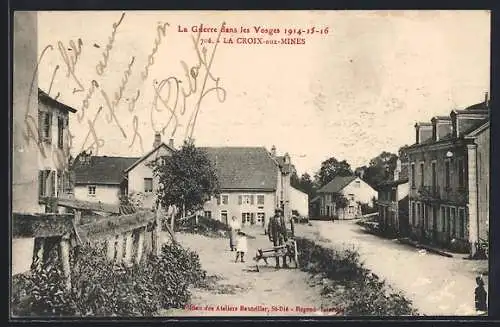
x,y
107,179
253,182
449,179
353,189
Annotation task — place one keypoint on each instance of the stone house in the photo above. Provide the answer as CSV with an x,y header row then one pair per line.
x,y
107,179
449,179
353,188
392,203
253,183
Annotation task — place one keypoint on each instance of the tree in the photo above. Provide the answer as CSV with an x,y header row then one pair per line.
x,y
330,169
381,168
187,178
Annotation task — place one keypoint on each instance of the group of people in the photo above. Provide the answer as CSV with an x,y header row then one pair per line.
x,y
276,232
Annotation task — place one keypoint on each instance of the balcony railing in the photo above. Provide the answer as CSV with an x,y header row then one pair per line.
x,y
429,192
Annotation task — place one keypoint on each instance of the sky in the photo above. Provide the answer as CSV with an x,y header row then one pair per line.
x,y
351,93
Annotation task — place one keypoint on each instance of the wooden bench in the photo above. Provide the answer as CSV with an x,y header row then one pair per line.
x,y
282,251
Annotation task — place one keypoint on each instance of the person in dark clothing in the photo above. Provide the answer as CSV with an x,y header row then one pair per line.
x,y
277,233
480,296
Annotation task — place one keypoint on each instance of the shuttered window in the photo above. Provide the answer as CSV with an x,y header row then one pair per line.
x,y
45,126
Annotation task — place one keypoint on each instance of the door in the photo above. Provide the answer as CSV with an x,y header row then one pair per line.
x,y
223,217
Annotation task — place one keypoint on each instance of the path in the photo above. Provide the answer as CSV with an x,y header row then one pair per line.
x,y
241,288
437,285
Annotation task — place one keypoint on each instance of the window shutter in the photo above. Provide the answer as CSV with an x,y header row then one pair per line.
x,y
251,199
41,183
240,199
49,127
52,180
41,122
218,199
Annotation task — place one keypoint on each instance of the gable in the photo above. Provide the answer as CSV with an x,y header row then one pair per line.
x,y
337,184
159,151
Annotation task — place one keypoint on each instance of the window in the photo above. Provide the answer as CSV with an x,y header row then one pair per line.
x,y
91,189
260,199
422,176
413,213
245,199
246,218
45,126
412,175
417,217
223,216
461,181
60,132
46,183
443,219
148,185
224,199
447,174
461,223
261,218
208,214
434,177
60,182
448,220
351,197
357,184
452,222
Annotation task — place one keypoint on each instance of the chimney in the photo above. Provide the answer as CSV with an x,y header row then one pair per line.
x,y
423,132
273,151
157,141
441,126
171,143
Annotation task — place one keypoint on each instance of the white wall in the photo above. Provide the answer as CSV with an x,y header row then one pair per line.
x,y
299,201
109,194
138,173
235,209
362,193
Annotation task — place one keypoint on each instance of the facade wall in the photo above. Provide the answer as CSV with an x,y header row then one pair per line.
x,y
439,213
233,208
483,181
109,194
299,201
137,175
25,151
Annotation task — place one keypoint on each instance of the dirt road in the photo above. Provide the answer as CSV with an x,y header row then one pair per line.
x,y
239,290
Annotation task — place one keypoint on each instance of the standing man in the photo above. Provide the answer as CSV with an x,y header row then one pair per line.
x,y
277,232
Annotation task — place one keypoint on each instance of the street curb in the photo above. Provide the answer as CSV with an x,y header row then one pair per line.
x,y
426,247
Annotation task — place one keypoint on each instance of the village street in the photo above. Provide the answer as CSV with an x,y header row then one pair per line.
x,y
437,285
239,284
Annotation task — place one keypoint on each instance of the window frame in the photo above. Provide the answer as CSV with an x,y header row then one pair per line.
x,y
148,179
89,187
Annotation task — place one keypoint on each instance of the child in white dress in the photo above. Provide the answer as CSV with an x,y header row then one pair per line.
x,y
241,246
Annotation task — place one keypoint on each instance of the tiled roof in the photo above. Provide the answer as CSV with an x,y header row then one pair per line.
x,y
337,184
102,170
244,168
45,98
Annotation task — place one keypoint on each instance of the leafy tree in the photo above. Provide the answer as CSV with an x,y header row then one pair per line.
x,y
380,169
330,169
187,178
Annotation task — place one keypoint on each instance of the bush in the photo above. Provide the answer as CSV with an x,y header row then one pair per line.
x,y
102,288
205,226
363,294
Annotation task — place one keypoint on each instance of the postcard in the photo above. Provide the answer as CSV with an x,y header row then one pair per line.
x,y
250,163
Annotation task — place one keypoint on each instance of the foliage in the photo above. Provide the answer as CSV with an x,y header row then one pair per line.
x,y
380,169
341,202
187,177
135,199
367,208
330,169
204,226
103,288
356,290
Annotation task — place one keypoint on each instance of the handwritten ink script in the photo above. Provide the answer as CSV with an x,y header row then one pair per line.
x,y
173,96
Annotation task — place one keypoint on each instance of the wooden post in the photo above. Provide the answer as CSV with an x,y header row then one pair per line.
x,y
64,257
128,247
110,248
78,217
119,248
140,245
